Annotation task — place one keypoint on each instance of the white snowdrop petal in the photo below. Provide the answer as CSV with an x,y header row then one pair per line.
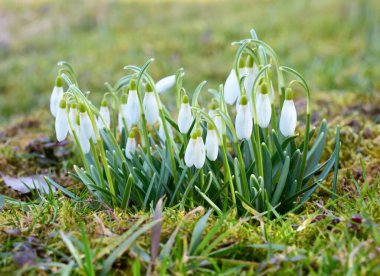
x,y
243,123
73,118
189,153
161,131
83,141
85,125
130,148
61,124
185,118
55,98
150,108
231,88
133,110
105,114
288,119
199,153
264,110
165,84
212,145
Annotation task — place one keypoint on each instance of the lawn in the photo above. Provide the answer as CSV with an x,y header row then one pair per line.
x,y
74,231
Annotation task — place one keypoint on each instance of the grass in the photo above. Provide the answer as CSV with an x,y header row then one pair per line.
x,y
331,42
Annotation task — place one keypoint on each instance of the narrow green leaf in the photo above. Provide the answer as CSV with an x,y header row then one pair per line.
x,y
281,183
196,236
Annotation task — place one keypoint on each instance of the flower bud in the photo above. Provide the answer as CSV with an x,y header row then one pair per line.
x,y
165,84
195,153
212,143
130,148
133,110
104,114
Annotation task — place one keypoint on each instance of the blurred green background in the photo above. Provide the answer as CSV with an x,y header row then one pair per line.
x,y
334,43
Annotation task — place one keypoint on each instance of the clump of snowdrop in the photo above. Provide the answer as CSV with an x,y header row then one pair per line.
x,y
247,158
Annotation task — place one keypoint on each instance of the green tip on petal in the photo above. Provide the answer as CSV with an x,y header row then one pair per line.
x,y
124,98
249,61
77,120
264,88
210,126
289,94
148,88
185,99
133,132
243,100
132,85
59,81
104,103
241,62
73,106
62,104
81,107
213,105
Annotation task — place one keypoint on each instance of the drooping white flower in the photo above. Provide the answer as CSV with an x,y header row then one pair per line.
x,y
61,121
215,116
165,84
288,119
263,107
56,96
83,140
231,86
243,121
212,144
185,118
72,118
251,73
85,122
161,132
150,106
130,148
104,113
133,110
123,112
195,153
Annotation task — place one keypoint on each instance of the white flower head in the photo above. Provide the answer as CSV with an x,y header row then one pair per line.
x,y
251,71
243,121
123,112
105,115
215,116
85,122
150,106
133,110
195,153
61,121
231,86
56,96
212,143
165,84
288,119
263,107
185,118
130,148
73,118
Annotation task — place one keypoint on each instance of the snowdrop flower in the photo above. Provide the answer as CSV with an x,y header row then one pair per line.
x,y
165,84
288,119
185,118
105,114
212,143
263,107
56,96
133,110
84,142
215,116
130,148
195,153
161,132
61,121
231,86
72,118
251,71
123,112
243,121
150,106
85,122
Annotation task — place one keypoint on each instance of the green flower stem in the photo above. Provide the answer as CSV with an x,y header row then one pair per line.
x,y
97,164
146,146
242,169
